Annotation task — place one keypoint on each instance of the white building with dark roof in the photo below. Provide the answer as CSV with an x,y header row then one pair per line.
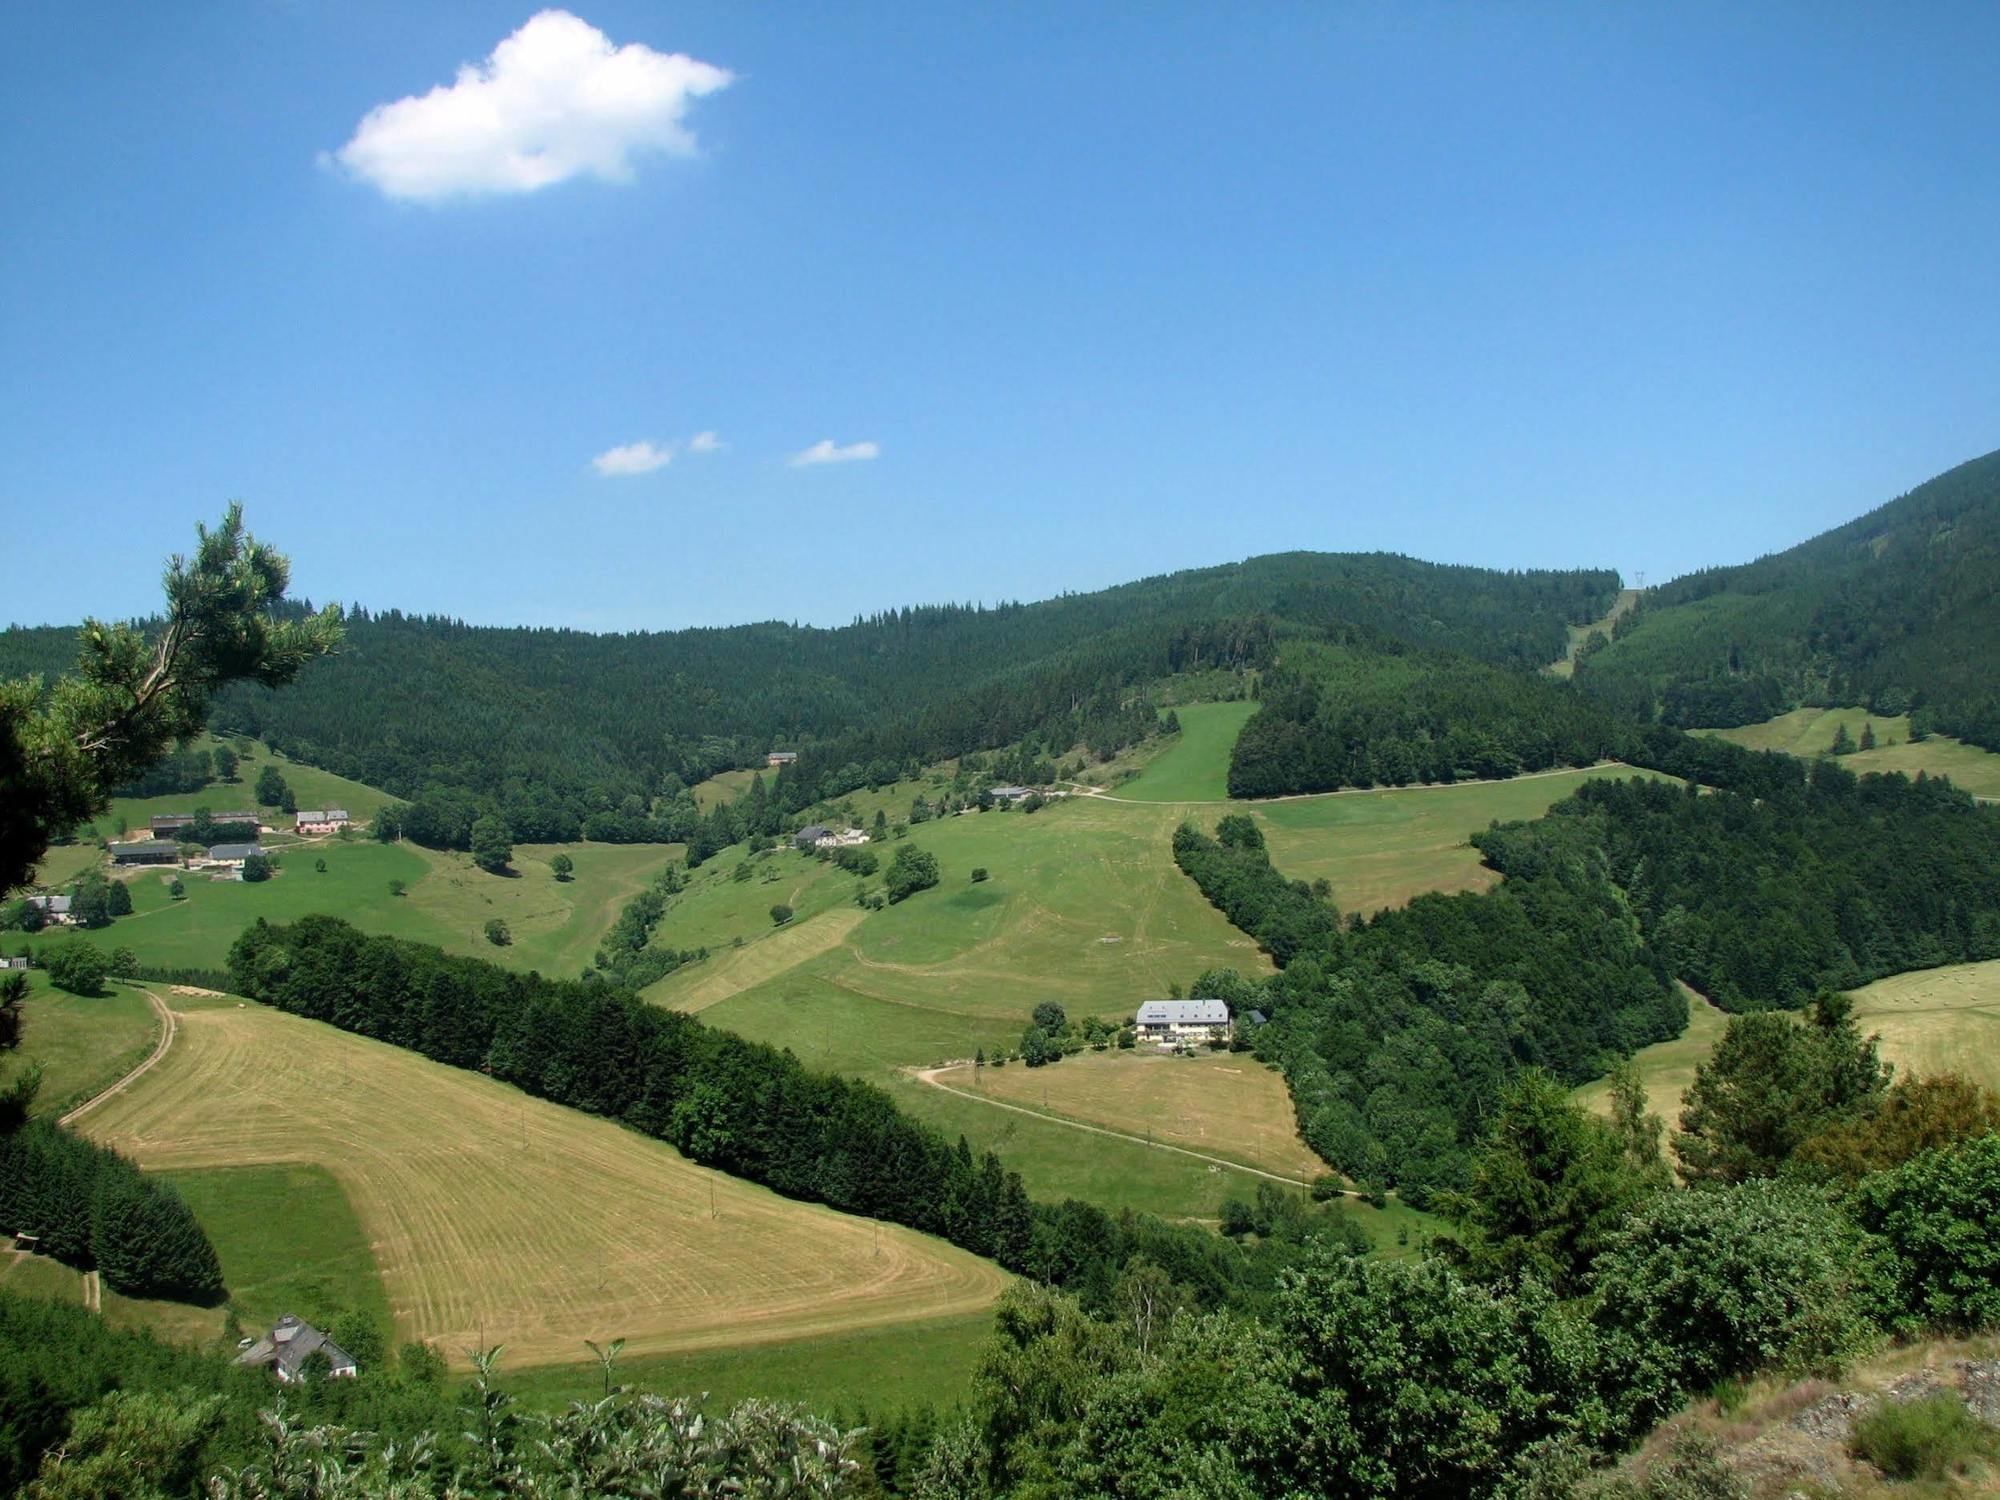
x,y
1172,1022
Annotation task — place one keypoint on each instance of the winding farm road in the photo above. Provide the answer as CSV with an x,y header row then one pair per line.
x,y
167,1029
930,1076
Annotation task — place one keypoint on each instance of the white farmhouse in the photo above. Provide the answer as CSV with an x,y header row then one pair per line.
x,y
1175,1022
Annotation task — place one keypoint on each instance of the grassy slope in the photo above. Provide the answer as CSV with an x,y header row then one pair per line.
x,y
83,1045
1578,634
311,787
1380,848
1222,1104
495,1217
556,925
1083,906
1195,765
1930,1021
1810,732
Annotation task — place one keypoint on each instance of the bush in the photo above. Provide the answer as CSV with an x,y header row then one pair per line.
x,y
781,914
77,966
1706,1284
257,867
1941,1239
498,933
912,870
1929,1438
978,874
1050,1017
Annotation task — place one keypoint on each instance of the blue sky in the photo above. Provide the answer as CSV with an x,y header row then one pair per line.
x,y
1081,293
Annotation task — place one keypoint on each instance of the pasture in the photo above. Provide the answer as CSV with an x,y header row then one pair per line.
x,y
1929,1021
311,787
83,1044
1381,847
1194,767
1666,1069
447,900
493,1217
1224,1104
1809,732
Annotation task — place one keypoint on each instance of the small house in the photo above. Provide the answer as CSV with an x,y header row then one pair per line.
x,y
232,854
1176,1022
781,758
812,836
13,960
147,852
323,820
1012,793
287,1347
53,909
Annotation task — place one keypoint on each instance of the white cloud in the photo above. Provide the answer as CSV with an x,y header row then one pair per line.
x,y
633,458
556,100
826,452
705,442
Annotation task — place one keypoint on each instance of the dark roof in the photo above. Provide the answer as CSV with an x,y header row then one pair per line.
x,y
146,849
290,1344
814,831
235,851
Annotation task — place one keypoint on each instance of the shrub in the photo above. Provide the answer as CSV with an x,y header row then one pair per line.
x,y
1941,1239
257,867
1050,1017
978,874
77,966
498,933
912,870
1928,1438
781,914
1721,1281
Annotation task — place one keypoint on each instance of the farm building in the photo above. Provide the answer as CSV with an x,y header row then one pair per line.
x,y
287,1347
147,852
781,757
1170,1022
847,838
1012,793
13,960
53,908
232,854
323,820
162,823
812,835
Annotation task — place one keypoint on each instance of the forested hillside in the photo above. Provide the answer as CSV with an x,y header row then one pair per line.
x,y
578,723
1334,716
1897,610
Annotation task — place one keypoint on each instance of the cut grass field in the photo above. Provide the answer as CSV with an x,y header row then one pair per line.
x,y
1810,732
556,925
497,1218
1929,1021
1666,1069
1379,848
1224,1104
83,1044
1194,767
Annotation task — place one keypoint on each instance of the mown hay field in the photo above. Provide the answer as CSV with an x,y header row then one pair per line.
x,y
493,1217
1224,1104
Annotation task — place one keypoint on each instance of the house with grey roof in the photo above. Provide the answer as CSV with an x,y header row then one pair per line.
x,y
232,854
1175,1022
1012,793
781,758
52,908
812,835
323,820
289,1345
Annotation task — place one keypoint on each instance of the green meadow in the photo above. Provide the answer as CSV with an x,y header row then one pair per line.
x,y
1194,767
1381,847
311,787
1810,732
82,1044
446,900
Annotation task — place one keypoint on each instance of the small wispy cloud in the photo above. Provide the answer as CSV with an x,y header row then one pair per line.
x,y
705,442
633,458
555,100
826,451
